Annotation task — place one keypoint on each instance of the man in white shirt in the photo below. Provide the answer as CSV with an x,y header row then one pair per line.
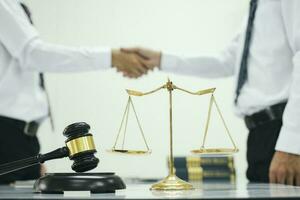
x,y
23,59
265,58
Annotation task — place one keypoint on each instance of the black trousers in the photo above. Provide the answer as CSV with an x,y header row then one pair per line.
x,y
15,145
260,150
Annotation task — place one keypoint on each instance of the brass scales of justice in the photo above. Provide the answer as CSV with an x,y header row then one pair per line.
x,y
172,182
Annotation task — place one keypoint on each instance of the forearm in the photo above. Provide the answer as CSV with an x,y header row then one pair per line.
x,y
45,57
202,66
221,65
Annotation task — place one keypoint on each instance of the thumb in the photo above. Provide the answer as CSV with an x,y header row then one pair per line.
x,y
136,50
130,50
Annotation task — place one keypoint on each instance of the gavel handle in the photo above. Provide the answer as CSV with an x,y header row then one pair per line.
x,y
27,162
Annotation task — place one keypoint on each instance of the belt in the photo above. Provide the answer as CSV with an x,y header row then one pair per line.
x,y
29,128
271,113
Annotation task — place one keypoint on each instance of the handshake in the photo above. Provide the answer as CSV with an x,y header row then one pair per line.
x,y
135,62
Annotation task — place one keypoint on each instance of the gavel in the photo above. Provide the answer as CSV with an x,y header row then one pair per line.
x,y
79,147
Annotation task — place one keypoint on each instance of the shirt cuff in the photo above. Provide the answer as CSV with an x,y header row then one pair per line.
x,y
102,58
168,62
288,141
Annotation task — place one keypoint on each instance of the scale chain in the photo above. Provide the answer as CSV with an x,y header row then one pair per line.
x,y
139,124
208,120
213,100
227,130
126,122
120,129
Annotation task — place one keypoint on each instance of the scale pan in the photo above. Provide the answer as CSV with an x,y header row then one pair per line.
x,y
215,151
131,152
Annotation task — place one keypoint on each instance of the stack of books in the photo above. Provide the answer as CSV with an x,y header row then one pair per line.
x,y
205,168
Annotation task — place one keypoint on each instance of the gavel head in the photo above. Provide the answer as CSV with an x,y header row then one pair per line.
x,y
81,147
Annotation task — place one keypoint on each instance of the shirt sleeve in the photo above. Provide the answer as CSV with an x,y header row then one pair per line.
x,y
222,65
16,31
289,137
46,57
22,41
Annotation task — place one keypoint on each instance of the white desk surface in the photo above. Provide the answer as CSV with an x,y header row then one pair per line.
x,y
141,191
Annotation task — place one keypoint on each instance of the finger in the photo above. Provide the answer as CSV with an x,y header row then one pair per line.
x,y
144,63
128,75
290,179
118,69
141,68
147,64
138,65
297,181
130,50
136,50
123,70
125,74
281,177
130,66
134,70
272,177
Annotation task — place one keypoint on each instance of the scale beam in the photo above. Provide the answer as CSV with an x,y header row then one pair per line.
x,y
200,92
139,94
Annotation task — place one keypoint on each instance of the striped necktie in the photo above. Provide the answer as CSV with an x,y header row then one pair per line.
x,y
243,74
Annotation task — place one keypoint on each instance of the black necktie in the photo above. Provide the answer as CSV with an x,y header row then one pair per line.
x,y
243,74
41,75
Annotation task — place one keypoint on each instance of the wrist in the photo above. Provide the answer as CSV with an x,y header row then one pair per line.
x,y
159,60
114,57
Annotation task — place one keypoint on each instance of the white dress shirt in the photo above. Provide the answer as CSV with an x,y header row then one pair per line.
x,y
273,66
23,55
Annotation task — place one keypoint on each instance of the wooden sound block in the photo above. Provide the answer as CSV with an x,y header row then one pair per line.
x,y
57,183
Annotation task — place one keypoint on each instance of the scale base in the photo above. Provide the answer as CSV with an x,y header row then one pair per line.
x,y
172,182
57,183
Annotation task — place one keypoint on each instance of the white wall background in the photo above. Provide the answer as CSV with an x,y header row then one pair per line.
x,y
186,27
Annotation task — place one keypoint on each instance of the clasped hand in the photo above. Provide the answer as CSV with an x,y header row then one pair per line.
x,y
135,62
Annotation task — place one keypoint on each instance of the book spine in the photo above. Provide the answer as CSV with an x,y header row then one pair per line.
x,y
205,169
182,173
210,161
198,174
181,162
